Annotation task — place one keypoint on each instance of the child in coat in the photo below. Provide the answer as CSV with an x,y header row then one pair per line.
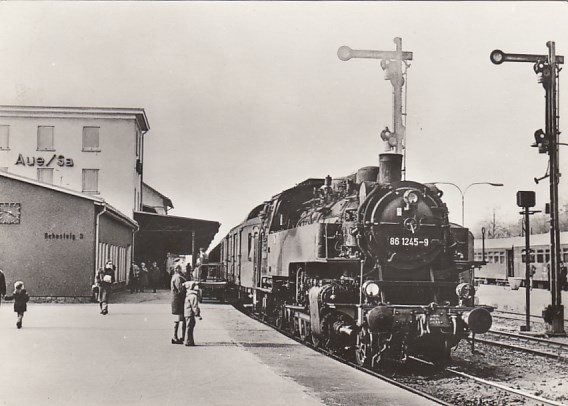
x,y
21,299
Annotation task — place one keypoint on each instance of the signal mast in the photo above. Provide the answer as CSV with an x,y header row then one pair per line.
x,y
547,67
391,63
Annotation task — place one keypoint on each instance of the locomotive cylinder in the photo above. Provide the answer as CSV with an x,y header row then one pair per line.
x,y
390,168
380,319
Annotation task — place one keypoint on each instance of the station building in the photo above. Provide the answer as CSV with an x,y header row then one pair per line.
x,y
72,196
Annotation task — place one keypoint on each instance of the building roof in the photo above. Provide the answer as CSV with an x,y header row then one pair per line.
x,y
95,199
509,242
166,199
137,114
174,232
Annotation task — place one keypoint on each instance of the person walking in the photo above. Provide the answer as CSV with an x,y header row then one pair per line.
x,y
191,310
21,298
155,275
2,286
178,299
105,279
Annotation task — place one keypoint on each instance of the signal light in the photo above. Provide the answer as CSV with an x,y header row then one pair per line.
x,y
543,69
388,136
542,141
497,57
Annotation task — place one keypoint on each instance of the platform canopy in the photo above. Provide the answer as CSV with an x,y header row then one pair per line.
x,y
162,234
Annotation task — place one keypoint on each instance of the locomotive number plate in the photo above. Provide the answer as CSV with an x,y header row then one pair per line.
x,y
408,242
439,319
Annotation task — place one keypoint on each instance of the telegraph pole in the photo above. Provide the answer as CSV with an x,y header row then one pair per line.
x,y
546,66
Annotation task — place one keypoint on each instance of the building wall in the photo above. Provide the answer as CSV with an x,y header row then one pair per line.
x,y
52,248
115,244
153,199
120,141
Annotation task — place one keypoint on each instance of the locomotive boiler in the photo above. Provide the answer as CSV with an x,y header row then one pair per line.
x,y
366,265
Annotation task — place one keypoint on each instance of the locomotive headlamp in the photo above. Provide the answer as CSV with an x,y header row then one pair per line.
x,y
371,289
465,291
410,197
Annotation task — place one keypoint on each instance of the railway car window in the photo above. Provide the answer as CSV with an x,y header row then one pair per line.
x,y
249,247
502,258
540,257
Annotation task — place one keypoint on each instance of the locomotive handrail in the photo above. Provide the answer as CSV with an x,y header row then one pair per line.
x,y
436,283
392,223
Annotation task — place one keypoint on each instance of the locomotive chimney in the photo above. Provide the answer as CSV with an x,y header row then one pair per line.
x,y
390,168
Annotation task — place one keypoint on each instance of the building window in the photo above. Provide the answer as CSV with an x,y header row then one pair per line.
x,y
137,146
4,137
91,139
45,175
91,180
45,138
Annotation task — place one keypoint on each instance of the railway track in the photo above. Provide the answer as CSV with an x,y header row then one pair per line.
x,y
453,372
349,363
533,345
496,385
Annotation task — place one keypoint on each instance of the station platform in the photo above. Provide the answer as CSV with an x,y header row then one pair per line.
x,y
69,354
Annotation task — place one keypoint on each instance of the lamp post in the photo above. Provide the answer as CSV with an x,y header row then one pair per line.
x,y
462,193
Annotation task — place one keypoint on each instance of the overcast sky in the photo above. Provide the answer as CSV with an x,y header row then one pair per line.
x,y
246,99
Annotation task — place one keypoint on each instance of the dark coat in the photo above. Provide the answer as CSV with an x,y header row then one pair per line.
x,y
155,274
100,278
2,283
178,294
20,300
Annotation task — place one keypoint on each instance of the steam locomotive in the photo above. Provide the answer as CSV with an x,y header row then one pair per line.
x,y
367,265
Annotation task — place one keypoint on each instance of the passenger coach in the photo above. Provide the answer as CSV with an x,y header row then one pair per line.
x,y
506,261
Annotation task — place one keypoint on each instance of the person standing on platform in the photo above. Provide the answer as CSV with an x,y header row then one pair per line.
x,y
563,277
178,299
155,276
105,279
2,286
188,271
143,276
21,298
191,311
134,278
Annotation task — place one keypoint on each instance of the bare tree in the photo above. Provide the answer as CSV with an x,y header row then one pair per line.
x,y
539,224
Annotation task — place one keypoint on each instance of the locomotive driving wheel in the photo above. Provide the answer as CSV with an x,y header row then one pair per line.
x,y
363,352
441,354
